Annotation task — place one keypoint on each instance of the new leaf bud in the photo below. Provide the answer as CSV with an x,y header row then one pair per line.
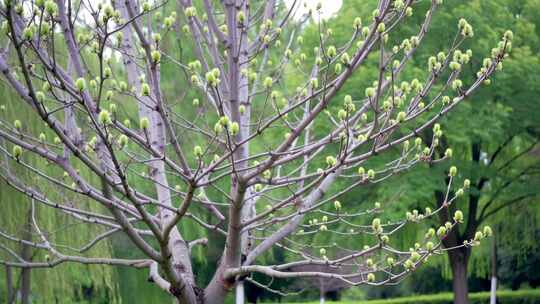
x,y
17,151
80,83
453,171
234,128
441,232
104,117
197,151
458,216
487,231
144,123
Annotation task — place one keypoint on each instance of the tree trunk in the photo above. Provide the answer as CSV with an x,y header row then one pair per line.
x,y
322,299
240,292
26,254
493,294
9,285
458,263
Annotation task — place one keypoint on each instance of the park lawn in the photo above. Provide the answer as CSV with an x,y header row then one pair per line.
x,y
525,296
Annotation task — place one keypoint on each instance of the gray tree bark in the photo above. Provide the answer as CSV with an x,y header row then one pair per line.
x,y
10,293
26,254
459,263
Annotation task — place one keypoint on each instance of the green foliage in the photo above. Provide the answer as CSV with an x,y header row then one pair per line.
x,y
65,281
503,297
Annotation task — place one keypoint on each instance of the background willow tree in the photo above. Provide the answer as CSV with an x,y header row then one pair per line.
x,y
76,282
230,148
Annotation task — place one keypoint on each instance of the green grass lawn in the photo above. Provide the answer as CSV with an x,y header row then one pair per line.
x,y
526,296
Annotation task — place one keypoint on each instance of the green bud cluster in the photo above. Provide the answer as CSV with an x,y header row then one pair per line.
x,y
376,225
17,151
370,92
190,11
416,86
430,233
487,231
331,51
381,27
441,232
434,64
28,32
194,65
80,84
123,140
465,28
241,16
156,56
357,23
213,77
348,104
399,4
457,84
401,116
224,121
331,161
198,151
51,8
107,72
448,153
314,82
145,89
169,21
104,117
415,256
458,216
234,128
408,264
453,171
478,236
268,82
17,124
144,123
409,11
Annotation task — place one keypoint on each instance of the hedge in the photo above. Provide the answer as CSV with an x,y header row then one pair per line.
x,y
525,296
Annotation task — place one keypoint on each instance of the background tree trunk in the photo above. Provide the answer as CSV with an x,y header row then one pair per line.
x,y
26,254
240,292
459,263
9,285
322,299
493,295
